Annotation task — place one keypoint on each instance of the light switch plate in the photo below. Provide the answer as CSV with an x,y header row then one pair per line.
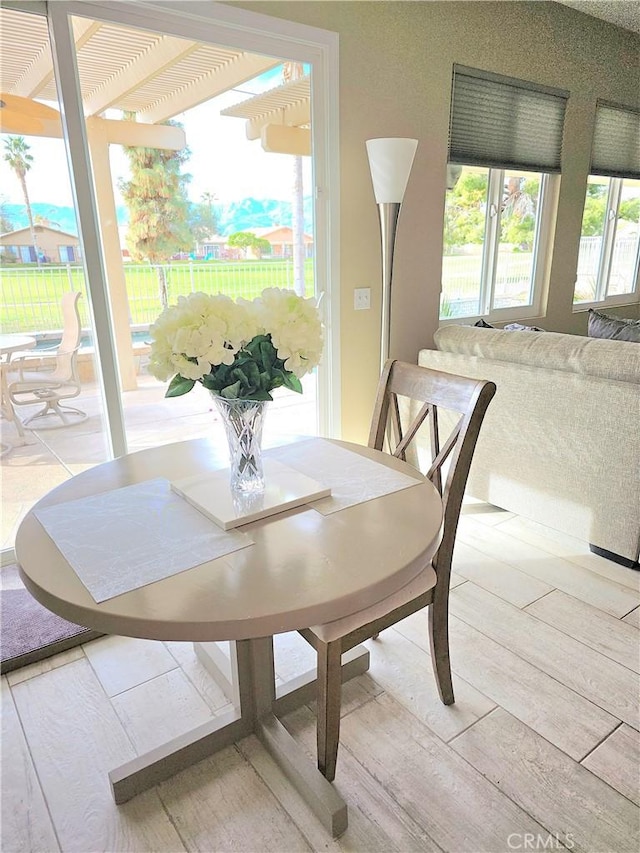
x,y
361,298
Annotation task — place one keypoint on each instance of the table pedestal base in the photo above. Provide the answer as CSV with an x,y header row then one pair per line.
x,y
248,680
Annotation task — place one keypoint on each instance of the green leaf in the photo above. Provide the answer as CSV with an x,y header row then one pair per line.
x,y
268,353
253,347
179,386
219,378
210,382
260,395
292,382
231,392
265,381
277,377
240,376
253,374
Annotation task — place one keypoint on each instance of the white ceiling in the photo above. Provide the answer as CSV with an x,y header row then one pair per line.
x,y
622,13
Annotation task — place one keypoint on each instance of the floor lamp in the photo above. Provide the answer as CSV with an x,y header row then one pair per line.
x,y
390,161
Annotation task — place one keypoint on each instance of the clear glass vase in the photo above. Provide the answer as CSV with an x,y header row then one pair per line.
x,y
243,421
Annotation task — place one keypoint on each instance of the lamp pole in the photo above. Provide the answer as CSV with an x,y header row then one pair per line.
x,y
390,161
389,212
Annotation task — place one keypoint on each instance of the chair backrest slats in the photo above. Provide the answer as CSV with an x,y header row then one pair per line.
x,y
395,421
441,456
71,325
435,475
439,394
404,438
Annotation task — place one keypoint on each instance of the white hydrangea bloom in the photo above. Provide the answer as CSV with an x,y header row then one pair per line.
x,y
201,332
209,329
295,328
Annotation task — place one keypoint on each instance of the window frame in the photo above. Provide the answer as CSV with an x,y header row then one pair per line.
x,y
602,297
542,245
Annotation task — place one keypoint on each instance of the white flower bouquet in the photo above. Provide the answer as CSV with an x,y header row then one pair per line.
x,y
238,350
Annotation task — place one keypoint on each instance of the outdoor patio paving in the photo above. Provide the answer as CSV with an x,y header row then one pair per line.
x,y
49,457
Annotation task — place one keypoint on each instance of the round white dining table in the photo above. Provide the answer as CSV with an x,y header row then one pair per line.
x,y
303,568
13,343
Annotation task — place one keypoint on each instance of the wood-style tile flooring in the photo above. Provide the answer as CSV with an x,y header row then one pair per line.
x,y
540,752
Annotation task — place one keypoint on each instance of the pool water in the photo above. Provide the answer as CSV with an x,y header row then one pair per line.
x,y
86,342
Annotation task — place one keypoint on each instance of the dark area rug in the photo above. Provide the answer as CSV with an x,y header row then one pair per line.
x,y
30,632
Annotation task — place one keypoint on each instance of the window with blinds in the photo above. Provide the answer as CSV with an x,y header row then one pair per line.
x,y
616,142
504,123
609,256
505,139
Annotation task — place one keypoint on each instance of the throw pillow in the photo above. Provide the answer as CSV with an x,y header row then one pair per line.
x,y
616,328
483,325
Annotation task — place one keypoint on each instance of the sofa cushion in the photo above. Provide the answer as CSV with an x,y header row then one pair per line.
x,y
608,326
607,359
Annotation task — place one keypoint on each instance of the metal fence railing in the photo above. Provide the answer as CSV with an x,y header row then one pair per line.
x,y
621,271
31,295
461,276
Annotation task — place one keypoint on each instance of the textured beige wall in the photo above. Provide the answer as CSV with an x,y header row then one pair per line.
x,y
396,64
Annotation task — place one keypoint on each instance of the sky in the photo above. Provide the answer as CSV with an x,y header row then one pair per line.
x,y
222,160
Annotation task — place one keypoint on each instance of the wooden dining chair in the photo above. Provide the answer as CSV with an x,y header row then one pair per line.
x,y
409,397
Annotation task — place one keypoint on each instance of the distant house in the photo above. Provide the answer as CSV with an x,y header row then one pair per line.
x,y
214,246
54,246
281,239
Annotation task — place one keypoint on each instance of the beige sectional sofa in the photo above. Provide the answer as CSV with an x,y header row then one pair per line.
x,y
560,442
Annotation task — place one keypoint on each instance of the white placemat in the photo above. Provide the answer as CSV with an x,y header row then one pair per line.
x,y
284,488
352,478
130,537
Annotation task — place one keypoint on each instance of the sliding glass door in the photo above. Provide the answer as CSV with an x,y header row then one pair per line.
x,y
189,99
188,203
54,423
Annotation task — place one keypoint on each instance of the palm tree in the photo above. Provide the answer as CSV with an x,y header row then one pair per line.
x,y
16,153
210,220
208,198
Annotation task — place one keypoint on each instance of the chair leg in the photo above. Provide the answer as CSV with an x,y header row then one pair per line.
x,y
439,640
68,415
329,697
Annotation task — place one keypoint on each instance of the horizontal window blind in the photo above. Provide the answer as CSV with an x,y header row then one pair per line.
x,y
504,123
616,142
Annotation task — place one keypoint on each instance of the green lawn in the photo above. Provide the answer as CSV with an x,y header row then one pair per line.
x,y
31,296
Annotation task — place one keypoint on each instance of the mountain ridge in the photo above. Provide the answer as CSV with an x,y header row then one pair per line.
x,y
241,215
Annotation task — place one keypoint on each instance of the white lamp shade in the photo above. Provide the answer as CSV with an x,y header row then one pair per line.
x,y
390,161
